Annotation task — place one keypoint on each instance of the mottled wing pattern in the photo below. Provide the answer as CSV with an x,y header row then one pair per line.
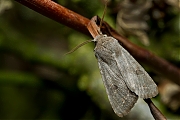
x,y
124,78
120,97
136,78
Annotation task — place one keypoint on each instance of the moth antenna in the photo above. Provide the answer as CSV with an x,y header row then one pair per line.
x,y
78,46
104,12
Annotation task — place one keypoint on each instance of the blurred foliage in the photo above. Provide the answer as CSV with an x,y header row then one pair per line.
x,y
39,82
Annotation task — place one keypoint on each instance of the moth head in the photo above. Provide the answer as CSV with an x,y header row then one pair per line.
x,y
99,37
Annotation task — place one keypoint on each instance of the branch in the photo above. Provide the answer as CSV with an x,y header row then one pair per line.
x,y
58,13
73,20
154,110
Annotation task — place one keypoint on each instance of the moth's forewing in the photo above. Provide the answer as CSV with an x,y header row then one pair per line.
x,y
136,78
122,99
127,68
124,78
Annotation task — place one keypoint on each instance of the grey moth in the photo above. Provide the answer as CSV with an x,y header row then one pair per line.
x,y
124,78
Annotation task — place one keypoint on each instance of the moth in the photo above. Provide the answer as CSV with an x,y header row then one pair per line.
x,y
124,78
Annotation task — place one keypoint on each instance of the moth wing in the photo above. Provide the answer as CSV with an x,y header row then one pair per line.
x,y
136,78
120,97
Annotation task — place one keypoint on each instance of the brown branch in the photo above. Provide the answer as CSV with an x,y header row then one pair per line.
x,y
73,20
58,13
154,110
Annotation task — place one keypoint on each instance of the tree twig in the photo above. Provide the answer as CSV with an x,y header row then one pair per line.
x,y
154,110
73,20
58,13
